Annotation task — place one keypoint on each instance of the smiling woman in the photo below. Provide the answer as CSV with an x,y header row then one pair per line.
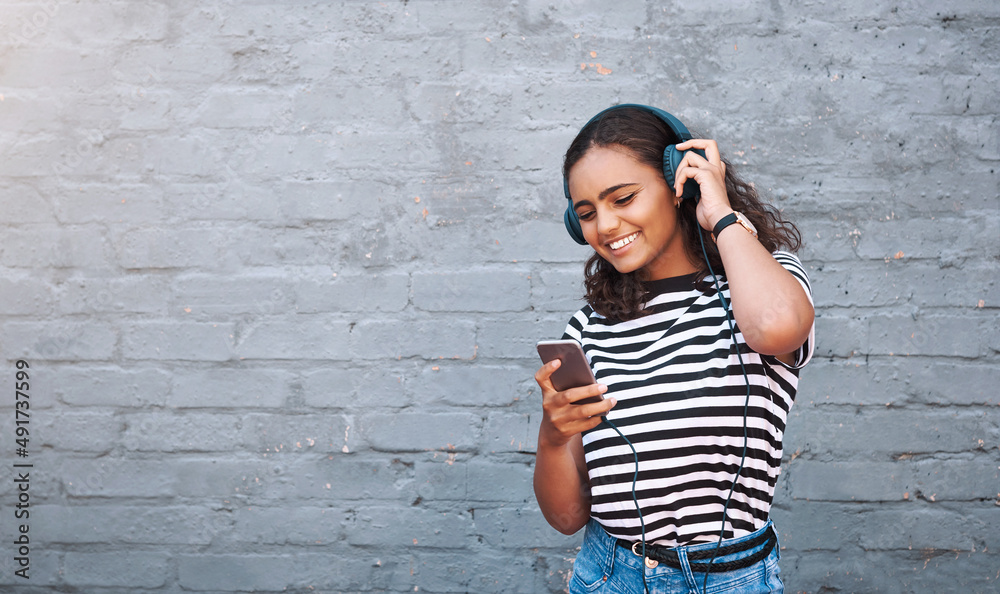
x,y
632,224
696,326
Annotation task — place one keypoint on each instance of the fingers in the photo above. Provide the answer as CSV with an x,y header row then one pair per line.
x,y
708,145
709,173
583,393
544,375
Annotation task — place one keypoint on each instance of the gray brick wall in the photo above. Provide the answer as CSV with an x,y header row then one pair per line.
x,y
279,267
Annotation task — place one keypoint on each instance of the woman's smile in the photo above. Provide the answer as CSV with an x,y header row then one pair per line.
x,y
624,241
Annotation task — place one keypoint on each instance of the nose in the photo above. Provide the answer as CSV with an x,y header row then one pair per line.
x,y
607,222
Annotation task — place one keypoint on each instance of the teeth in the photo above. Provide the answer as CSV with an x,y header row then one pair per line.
x,y
617,245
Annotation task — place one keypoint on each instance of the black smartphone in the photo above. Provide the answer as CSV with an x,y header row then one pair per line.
x,y
574,371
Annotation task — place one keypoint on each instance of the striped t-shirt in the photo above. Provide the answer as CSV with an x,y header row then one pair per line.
x,y
681,395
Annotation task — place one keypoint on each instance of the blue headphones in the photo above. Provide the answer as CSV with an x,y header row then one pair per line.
x,y
671,160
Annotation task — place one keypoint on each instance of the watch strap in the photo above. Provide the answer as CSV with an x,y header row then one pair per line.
x,y
724,222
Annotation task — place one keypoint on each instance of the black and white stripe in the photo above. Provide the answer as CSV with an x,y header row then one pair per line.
x,y
681,395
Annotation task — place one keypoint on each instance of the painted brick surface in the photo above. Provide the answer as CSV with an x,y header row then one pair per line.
x,y
279,268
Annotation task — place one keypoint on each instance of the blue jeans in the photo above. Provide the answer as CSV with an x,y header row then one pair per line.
x,y
604,567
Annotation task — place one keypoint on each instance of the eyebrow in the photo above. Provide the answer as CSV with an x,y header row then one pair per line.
x,y
604,193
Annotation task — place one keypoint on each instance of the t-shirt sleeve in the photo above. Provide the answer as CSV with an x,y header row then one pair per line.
x,y
574,329
792,264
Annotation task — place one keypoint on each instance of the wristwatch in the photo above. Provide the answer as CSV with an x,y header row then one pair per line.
x,y
729,219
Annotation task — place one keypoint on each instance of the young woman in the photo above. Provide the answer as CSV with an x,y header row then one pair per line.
x,y
673,473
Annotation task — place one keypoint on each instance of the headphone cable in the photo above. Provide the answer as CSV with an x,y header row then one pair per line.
x,y
746,408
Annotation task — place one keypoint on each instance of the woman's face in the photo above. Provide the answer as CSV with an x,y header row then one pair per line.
x,y
628,214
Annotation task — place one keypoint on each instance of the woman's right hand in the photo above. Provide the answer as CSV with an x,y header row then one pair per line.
x,y
561,418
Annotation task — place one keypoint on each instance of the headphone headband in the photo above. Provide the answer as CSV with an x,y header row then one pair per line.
x,y
671,160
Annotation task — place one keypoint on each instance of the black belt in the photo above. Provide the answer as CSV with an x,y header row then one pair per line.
x,y
669,555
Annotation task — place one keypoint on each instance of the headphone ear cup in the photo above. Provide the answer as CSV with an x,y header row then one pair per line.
x,y
671,161
572,222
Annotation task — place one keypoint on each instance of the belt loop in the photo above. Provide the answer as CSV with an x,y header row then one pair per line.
x,y
682,557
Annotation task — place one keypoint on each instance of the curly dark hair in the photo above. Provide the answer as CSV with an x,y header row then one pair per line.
x,y
645,136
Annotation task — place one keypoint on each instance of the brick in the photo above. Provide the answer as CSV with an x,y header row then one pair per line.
x,y
332,200
508,572
234,109
488,291
178,248
184,341
507,432
840,336
52,341
890,430
211,295
79,432
110,386
117,477
114,524
924,238
230,199
218,476
353,292
309,526
241,573
442,480
234,573
463,100
428,339
933,569
225,388
36,66
150,111
346,388
464,385
192,62
350,478
955,336
414,526
898,282
338,102
557,290
131,294
955,480
500,481
897,381
293,434
24,202
78,247
172,432
414,432
24,296
520,243
909,529
101,203
317,337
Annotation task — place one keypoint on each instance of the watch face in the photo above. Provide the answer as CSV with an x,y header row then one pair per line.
x,y
746,223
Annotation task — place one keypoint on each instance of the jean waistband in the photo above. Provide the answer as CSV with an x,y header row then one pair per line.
x,y
669,556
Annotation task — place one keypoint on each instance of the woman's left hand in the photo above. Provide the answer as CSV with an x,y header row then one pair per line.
x,y
710,174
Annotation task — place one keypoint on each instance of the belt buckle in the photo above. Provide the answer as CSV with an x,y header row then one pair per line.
x,y
650,563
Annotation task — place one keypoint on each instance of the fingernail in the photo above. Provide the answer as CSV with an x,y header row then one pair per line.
x,y
602,388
